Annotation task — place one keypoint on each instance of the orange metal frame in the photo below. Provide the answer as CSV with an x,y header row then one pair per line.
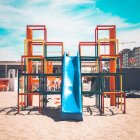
x,y
112,35
111,56
29,35
28,57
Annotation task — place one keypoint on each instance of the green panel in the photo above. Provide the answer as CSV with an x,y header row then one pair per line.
x,y
91,74
54,58
51,92
90,92
53,74
86,58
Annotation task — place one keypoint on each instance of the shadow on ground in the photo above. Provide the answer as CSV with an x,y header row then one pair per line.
x,y
54,112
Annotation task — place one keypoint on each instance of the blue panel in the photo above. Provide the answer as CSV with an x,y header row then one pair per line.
x,y
71,100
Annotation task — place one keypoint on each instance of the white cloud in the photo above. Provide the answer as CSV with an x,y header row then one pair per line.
x,y
62,23
129,39
9,54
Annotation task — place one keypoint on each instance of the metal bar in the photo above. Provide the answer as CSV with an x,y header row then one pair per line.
x,y
90,92
52,92
118,101
113,92
33,56
39,105
6,71
53,58
90,74
45,34
29,93
87,43
37,29
105,26
30,74
62,49
124,103
18,103
52,74
102,103
54,43
35,26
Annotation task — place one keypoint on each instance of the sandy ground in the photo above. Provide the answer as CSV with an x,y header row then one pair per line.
x,y
29,124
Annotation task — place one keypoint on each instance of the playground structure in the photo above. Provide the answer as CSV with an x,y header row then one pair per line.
x,y
44,81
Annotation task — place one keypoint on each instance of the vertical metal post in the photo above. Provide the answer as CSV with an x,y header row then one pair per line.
x,y
6,71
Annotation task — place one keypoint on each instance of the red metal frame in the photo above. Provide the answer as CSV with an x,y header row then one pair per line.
x,y
25,94
112,35
103,27
31,57
29,37
118,94
56,44
86,44
38,27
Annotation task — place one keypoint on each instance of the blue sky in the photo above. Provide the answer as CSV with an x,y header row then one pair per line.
x,y
68,21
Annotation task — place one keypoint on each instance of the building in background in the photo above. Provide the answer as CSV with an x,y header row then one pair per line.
x,y
9,69
131,58
126,55
135,56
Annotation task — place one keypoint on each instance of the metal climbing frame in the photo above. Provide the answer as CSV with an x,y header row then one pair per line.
x,y
26,90
115,77
29,81
33,81
50,74
95,73
119,91
115,66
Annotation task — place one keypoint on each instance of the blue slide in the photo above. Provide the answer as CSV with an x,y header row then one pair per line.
x,y
71,98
